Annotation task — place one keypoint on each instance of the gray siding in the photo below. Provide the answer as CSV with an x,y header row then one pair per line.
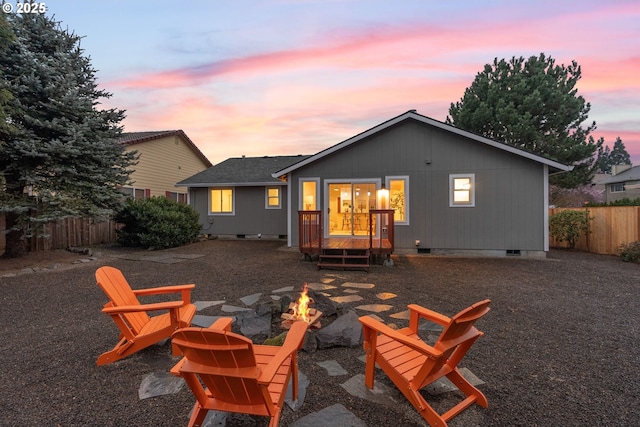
x,y
250,218
509,208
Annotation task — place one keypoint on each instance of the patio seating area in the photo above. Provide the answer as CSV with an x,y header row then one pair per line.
x,y
552,323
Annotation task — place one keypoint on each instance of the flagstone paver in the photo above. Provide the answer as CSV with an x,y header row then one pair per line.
x,y
249,300
203,321
158,384
351,291
443,385
303,383
385,295
333,368
376,308
233,309
319,286
358,285
379,394
346,298
201,305
334,415
403,315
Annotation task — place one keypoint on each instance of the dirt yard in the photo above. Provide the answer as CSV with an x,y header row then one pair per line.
x,y
560,347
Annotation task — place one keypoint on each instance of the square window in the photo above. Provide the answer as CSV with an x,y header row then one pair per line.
x,y
461,190
221,200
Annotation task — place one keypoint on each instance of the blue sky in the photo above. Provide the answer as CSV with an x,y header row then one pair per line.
x,y
278,77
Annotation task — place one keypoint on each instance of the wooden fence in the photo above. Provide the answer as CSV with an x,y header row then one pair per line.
x,y
65,233
609,227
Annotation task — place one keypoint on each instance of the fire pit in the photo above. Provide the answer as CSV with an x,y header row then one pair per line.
x,y
301,311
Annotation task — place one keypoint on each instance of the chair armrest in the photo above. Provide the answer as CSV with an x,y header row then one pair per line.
x,y
415,343
168,305
429,314
223,323
292,343
163,290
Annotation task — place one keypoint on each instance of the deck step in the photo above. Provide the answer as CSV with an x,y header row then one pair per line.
x,y
344,258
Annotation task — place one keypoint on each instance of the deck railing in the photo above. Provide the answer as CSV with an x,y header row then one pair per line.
x,y
310,231
385,223
380,232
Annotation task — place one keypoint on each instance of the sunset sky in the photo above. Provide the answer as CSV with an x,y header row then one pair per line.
x,y
282,77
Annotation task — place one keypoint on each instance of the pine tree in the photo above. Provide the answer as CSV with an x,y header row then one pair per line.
x,y
60,160
532,105
619,155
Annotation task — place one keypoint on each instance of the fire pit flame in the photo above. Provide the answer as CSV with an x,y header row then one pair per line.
x,y
301,308
301,311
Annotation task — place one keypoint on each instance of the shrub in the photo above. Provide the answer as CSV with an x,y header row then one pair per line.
x,y
157,223
630,252
569,225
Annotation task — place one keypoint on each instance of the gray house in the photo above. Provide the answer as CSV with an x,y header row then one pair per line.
x,y
623,183
423,185
240,198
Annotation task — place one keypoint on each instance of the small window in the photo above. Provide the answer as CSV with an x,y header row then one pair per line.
x,y
617,188
462,190
177,197
273,198
136,193
221,200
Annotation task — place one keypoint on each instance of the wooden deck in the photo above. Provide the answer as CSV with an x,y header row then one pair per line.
x,y
345,252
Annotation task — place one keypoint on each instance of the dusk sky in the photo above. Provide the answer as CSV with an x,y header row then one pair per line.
x,y
283,77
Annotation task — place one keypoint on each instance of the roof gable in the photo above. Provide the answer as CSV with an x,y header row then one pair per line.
x,y
631,174
132,138
246,171
412,115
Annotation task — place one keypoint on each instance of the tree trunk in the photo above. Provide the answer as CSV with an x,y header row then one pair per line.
x,y
15,242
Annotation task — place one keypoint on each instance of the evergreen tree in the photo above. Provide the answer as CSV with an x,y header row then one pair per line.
x,y
603,158
619,155
532,105
61,159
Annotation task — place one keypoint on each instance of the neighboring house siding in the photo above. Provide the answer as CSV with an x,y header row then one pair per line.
x,y
509,207
163,162
250,217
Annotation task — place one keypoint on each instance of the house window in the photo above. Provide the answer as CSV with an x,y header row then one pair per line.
x,y
137,193
399,198
221,200
462,190
617,188
177,197
309,195
273,198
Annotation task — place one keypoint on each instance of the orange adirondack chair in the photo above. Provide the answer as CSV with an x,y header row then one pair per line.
x,y
238,376
412,364
137,329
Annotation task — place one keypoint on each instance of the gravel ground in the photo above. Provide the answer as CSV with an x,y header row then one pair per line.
x,y
561,344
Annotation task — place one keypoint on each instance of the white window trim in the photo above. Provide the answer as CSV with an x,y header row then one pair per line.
x,y
300,185
472,191
613,186
404,178
266,197
233,201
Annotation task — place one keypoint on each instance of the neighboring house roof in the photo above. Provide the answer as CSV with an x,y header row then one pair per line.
x,y
245,171
411,114
632,174
132,138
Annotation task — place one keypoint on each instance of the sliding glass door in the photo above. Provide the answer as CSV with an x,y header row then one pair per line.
x,y
348,207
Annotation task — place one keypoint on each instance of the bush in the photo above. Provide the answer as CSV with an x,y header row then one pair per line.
x,y
569,225
630,252
157,223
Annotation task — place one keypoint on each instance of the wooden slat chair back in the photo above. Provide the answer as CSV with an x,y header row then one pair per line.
x,y
138,330
412,364
227,372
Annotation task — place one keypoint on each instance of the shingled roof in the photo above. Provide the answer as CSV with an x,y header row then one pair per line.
x,y
245,171
131,138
